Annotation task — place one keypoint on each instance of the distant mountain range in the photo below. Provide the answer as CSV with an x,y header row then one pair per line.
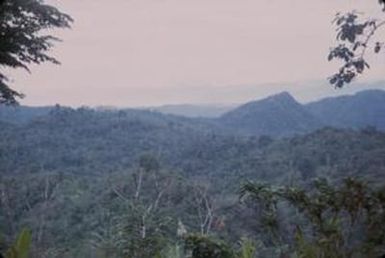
x,y
365,108
281,114
277,115
190,110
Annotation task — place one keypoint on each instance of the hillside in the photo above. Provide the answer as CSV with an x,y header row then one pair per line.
x,y
91,142
355,111
72,175
277,115
280,115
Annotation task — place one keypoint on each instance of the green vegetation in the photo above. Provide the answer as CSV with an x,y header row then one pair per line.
x,y
139,184
21,247
341,221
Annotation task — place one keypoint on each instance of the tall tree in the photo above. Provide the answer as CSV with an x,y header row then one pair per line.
x,y
22,38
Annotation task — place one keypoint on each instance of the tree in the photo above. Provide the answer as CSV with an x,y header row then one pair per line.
x,y
204,207
338,221
143,227
22,38
355,35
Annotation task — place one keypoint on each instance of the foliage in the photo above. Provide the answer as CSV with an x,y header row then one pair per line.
x,y
247,249
343,221
22,42
354,37
201,246
172,251
72,176
205,247
21,246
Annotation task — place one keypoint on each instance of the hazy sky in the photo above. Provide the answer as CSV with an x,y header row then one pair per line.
x,y
152,52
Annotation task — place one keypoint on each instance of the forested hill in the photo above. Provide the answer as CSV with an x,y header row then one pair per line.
x,y
357,111
280,114
85,141
71,175
277,115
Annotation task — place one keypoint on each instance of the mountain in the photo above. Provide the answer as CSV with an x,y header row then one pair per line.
x,y
365,108
277,115
189,110
280,114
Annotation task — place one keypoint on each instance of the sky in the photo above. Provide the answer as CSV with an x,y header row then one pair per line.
x,y
130,53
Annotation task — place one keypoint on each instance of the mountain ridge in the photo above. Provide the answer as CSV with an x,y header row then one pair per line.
x,y
277,115
365,108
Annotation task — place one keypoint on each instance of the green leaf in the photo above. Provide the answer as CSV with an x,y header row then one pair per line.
x,y
23,243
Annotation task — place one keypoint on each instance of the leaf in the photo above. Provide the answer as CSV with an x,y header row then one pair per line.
x,y
333,80
23,243
247,249
377,48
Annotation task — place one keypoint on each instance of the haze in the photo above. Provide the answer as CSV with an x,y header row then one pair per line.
x,y
154,52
